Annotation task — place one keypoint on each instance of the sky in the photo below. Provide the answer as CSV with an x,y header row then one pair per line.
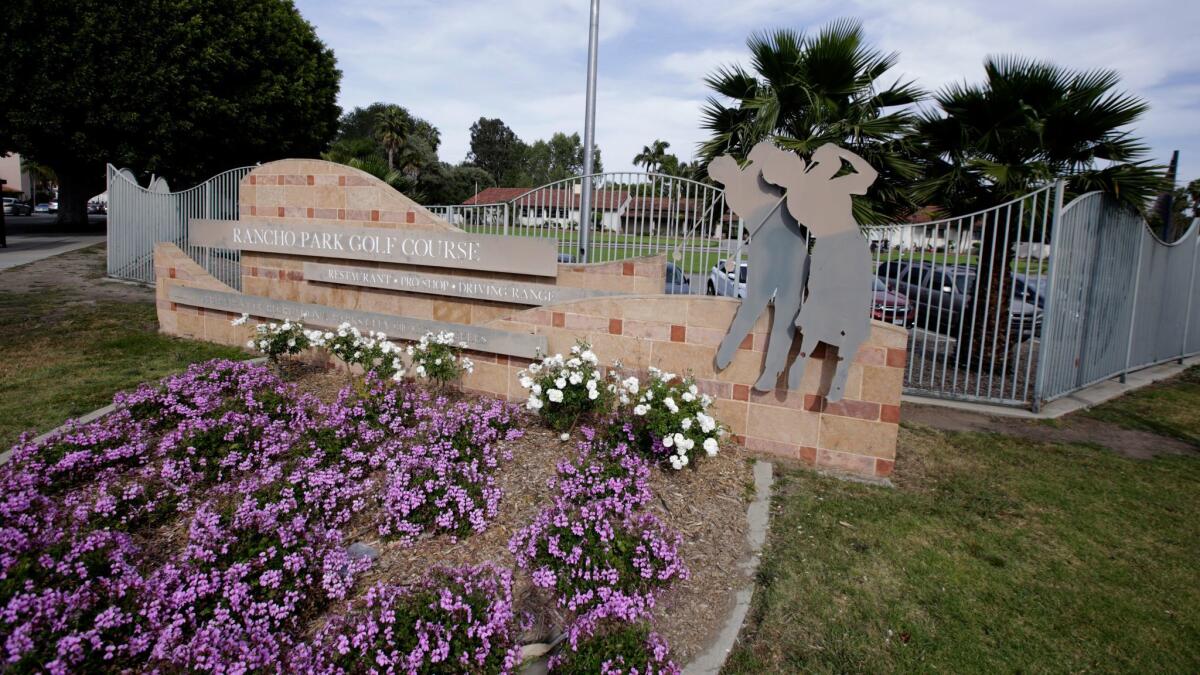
x,y
524,61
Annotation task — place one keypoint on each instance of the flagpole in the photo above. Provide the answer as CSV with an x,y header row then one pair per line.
x,y
589,134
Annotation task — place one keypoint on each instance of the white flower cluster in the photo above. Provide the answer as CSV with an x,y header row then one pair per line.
x,y
275,339
437,357
679,424
374,352
561,376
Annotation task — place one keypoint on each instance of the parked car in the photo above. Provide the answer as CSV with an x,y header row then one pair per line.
x,y
53,206
677,282
42,208
890,307
97,208
12,207
942,296
730,284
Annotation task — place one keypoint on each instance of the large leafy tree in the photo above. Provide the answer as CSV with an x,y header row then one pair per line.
x,y
1027,124
808,89
495,148
183,88
556,159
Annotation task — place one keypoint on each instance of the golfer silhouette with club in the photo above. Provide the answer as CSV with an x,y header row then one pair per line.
x,y
778,259
838,306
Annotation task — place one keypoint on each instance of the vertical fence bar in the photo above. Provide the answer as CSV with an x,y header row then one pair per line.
x,y
1048,313
1137,278
1187,321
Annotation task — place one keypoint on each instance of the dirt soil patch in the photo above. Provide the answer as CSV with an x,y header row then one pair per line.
x,y
1074,428
80,272
707,506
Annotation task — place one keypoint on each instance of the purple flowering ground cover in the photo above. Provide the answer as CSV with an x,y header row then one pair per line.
x,y
210,523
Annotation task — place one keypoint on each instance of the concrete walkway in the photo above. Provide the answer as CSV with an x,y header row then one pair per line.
x,y
1084,398
24,249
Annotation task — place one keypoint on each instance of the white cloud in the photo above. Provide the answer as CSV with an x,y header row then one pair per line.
x,y
524,61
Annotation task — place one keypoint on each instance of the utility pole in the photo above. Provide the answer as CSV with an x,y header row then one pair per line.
x,y
1166,205
3,225
589,134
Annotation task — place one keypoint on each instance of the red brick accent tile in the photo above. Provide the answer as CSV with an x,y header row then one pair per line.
x,y
312,180
896,358
280,211
678,333
627,269
309,212
342,180
253,271
253,210
171,272
252,178
738,438
889,413
764,446
741,392
174,307
813,402
295,275
883,467
558,319
342,212
747,342
410,217
374,215
808,455
614,326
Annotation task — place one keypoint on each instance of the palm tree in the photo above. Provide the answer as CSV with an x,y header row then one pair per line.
x,y
810,89
1028,124
652,156
391,128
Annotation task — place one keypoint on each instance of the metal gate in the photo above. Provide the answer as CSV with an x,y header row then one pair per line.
x,y
1121,299
139,217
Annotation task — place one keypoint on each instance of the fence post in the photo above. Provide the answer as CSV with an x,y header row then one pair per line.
x,y
1055,224
1187,321
1137,278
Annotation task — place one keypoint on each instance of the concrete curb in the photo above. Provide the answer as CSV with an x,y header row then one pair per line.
x,y
758,513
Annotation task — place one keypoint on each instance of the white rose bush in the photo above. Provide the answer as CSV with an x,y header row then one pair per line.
x,y
438,358
564,391
671,419
375,353
274,340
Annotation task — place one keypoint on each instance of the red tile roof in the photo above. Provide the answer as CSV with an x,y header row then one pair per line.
x,y
556,197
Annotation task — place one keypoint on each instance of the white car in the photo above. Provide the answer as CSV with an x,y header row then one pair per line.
x,y
730,284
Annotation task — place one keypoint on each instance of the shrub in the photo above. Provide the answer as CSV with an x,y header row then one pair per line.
x,y
455,620
276,340
671,420
373,353
562,391
439,358
613,647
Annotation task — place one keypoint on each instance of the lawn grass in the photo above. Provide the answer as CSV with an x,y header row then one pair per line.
x,y
1170,408
62,356
992,554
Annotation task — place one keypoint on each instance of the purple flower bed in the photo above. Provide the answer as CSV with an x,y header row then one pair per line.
x,y
600,557
204,521
455,620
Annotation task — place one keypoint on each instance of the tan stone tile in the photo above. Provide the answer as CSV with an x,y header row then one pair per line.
x,y
849,463
363,198
732,414
453,312
492,378
682,358
666,309
882,385
859,437
782,424
710,312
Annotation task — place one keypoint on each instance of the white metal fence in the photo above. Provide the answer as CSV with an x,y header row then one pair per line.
x,y
1121,298
633,214
139,217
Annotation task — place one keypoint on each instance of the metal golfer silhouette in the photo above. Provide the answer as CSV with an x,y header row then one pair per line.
x,y
827,299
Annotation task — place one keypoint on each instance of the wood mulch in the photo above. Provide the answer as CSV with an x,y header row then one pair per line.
x,y
707,506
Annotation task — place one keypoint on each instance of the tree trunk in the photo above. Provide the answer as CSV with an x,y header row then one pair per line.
x,y
989,316
76,185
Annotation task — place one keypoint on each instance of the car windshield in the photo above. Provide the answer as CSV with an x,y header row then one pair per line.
x,y
879,285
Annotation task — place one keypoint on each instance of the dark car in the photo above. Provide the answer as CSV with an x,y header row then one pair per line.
x,y
677,282
942,297
890,307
